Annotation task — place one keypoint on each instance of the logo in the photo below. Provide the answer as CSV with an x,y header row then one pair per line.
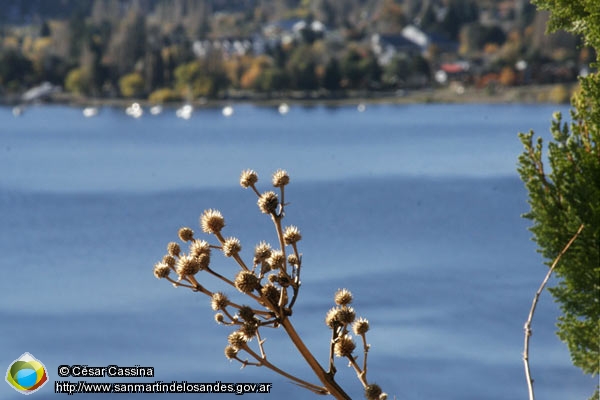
x,y
26,374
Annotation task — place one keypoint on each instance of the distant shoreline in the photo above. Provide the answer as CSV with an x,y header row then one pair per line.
x,y
530,94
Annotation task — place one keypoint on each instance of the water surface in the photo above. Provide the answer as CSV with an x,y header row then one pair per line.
x,y
414,208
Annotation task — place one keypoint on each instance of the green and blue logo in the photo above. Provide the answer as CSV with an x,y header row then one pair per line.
x,y
26,374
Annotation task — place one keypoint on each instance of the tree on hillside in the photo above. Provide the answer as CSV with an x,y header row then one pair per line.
x,y
566,195
333,75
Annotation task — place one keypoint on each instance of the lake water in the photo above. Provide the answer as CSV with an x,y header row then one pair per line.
x,y
414,208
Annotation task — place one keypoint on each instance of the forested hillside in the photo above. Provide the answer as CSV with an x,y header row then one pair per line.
x,y
184,49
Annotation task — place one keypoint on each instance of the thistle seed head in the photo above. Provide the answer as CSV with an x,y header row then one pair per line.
x,y
293,260
272,293
203,260
236,340
373,391
280,178
331,318
361,326
219,301
188,265
248,178
268,202
173,249
230,352
246,313
219,318
198,247
276,260
246,281
231,246
186,234
169,260
212,221
345,315
343,297
283,279
344,346
291,234
161,270
262,251
249,329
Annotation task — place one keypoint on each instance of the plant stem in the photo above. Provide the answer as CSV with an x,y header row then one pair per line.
x,y
334,389
527,326
263,362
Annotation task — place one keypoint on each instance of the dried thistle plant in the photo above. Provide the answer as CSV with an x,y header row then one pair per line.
x,y
272,283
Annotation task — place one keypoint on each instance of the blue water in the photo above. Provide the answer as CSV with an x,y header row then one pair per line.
x,y
415,209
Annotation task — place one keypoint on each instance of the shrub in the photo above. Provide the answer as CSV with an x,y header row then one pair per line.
x,y
131,85
164,95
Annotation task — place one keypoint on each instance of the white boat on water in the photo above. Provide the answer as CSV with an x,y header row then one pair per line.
x,y
283,108
184,112
228,111
155,110
134,110
361,107
17,111
89,112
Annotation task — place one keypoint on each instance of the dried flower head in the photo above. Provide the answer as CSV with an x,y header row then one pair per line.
x,y
173,249
188,265
280,178
283,279
276,260
372,392
230,352
331,318
186,234
161,270
237,340
220,318
212,221
203,260
268,202
262,251
249,329
293,260
272,293
219,301
345,315
246,281
248,178
169,260
291,235
344,346
361,326
198,247
246,313
343,297
231,246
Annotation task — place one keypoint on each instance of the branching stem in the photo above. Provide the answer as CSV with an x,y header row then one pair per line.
x,y
527,326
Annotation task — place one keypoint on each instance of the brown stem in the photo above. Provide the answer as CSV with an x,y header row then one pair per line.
x,y
332,369
366,351
236,256
327,380
263,362
277,221
255,190
362,376
527,326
